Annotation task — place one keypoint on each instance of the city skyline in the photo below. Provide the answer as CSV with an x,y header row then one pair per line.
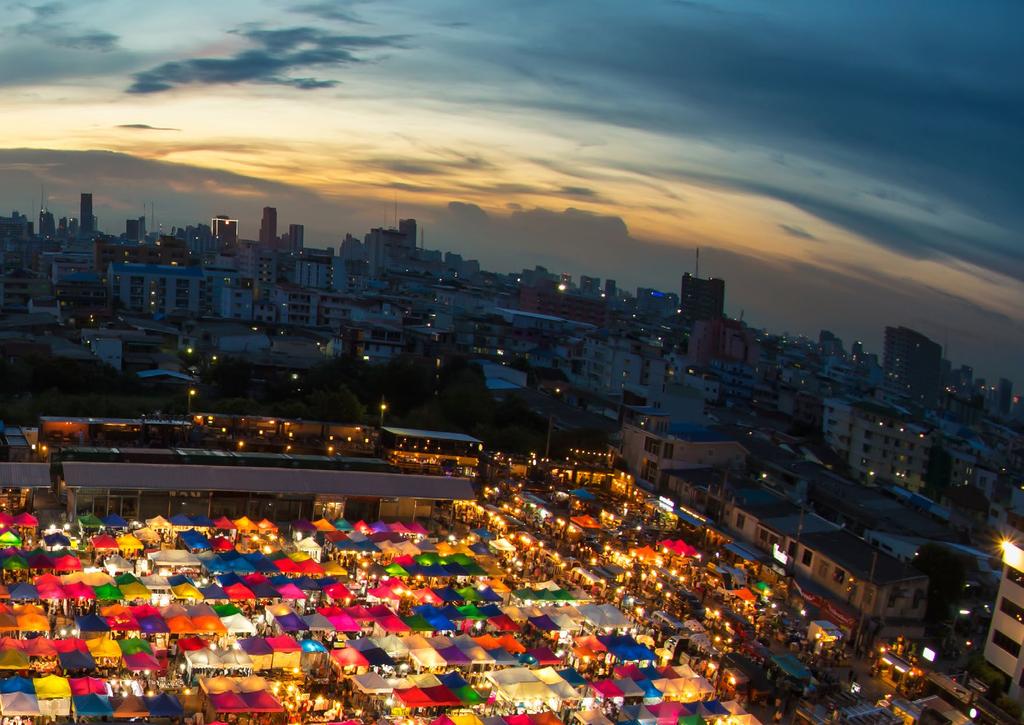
x,y
879,187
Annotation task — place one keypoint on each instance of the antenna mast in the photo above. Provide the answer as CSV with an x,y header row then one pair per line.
x,y
696,271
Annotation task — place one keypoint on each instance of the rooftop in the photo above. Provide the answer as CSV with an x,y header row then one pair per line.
x,y
435,434
855,556
169,270
170,477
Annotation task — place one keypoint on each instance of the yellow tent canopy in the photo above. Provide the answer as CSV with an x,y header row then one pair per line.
x,y
13,659
134,590
104,647
129,543
52,687
334,568
186,591
245,524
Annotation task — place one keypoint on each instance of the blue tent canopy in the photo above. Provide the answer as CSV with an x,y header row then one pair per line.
x,y
201,521
114,521
212,591
56,539
181,520
574,678
714,708
23,591
9,685
91,623
627,649
76,660
483,533
194,541
93,706
582,494
311,645
164,705
792,666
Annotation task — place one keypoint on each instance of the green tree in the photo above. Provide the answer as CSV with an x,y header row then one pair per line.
x,y
338,405
232,376
947,577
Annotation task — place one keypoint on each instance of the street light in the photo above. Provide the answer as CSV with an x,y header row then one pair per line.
x,y
192,392
383,407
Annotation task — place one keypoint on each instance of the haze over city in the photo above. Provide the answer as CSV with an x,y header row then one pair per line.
x,y
843,165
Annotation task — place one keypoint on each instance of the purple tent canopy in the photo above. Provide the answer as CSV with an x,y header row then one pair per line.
x,y
291,623
255,646
454,656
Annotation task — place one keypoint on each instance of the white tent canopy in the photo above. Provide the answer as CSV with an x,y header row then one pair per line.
x,y
175,558
372,684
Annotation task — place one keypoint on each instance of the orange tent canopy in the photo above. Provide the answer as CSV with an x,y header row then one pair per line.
x,y
586,522
744,594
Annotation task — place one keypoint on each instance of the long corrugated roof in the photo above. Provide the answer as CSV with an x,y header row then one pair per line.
x,y
25,475
170,477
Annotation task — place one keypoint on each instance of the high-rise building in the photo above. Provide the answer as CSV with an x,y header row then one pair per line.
x,y
47,226
1006,631
225,231
701,299
296,237
268,227
590,286
86,219
1004,396
610,290
390,248
133,230
913,363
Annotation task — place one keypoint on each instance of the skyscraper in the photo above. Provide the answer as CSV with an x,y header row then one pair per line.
x,y
47,225
701,299
86,219
296,237
133,230
225,231
1004,393
268,227
913,363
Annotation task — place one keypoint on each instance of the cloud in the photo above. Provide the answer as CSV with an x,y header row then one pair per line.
x,y
796,231
146,127
330,11
94,40
856,304
46,23
276,54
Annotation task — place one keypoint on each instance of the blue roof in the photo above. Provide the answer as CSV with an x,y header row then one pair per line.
x,y
169,270
697,433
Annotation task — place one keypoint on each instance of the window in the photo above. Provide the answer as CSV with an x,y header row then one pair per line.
x,y
652,445
669,450
838,575
1015,611
1015,575
808,557
741,521
1007,643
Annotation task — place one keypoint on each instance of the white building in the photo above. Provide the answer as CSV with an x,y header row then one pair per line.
x,y
1006,633
156,288
878,441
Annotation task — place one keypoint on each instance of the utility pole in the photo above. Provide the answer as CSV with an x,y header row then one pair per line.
x,y
547,444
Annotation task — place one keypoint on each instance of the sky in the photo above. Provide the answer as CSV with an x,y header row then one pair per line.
x,y
844,165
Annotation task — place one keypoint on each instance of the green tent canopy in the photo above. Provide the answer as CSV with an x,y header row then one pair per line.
x,y
90,521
